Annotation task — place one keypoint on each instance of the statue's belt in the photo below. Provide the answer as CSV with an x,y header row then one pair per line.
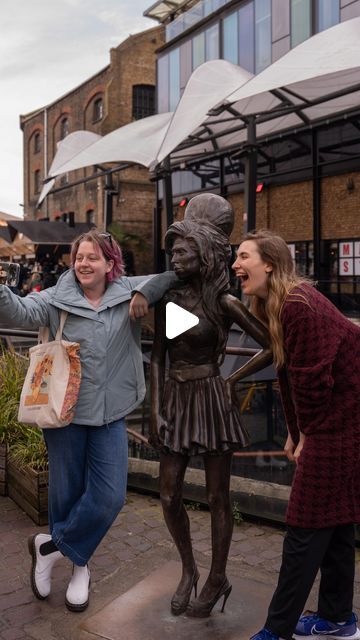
x,y
194,373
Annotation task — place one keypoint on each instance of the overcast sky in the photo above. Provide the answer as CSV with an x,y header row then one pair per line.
x,y
48,47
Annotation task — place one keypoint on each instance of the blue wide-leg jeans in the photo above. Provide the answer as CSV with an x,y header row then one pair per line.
x,y
87,485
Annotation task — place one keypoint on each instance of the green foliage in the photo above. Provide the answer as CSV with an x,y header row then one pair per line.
x,y
30,449
26,444
237,515
12,373
126,239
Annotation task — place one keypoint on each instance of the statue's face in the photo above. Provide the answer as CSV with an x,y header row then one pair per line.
x,y
185,259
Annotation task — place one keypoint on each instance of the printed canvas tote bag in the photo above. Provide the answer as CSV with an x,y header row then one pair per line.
x,y
52,382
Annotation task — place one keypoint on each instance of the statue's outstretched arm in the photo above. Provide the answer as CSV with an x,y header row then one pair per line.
x,y
237,312
157,371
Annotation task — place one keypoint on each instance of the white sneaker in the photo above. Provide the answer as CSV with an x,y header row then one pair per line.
x,y
77,594
42,566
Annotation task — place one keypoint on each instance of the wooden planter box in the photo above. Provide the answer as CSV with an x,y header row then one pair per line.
x,y
3,477
29,489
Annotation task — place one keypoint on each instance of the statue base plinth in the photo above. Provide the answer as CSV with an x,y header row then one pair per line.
x,y
143,612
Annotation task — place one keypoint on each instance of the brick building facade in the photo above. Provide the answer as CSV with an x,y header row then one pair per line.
x,y
118,94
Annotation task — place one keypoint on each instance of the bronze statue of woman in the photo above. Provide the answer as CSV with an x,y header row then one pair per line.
x,y
192,409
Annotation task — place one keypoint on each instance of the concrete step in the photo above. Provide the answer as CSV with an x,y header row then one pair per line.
x,y
144,611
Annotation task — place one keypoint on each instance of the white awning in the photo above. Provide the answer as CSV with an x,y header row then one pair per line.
x,y
317,79
207,86
67,148
137,142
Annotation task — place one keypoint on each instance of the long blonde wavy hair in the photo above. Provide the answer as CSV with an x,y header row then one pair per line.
x,y
282,279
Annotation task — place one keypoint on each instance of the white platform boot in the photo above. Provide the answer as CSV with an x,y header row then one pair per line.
x,y
42,565
77,594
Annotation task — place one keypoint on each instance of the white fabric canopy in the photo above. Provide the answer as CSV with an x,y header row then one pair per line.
x,y
316,79
67,149
207,85
137,142
299,88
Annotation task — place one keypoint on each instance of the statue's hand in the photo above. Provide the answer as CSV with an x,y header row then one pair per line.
x,y
229,394
154,438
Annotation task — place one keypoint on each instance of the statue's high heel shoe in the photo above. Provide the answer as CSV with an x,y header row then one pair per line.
x,y
198,609
180,602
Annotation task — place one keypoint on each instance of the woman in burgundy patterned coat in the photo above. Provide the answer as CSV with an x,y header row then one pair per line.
x,y
317,355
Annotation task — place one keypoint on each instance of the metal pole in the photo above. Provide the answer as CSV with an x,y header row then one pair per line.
x,y
167,200
316,207
250,176
157,232
108,200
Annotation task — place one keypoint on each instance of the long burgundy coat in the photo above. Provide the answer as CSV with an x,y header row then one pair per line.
x,y
320,391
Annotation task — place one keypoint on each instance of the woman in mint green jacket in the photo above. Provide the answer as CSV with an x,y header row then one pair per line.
x,y
88,458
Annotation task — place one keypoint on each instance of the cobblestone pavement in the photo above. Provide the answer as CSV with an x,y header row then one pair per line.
x,y
137,543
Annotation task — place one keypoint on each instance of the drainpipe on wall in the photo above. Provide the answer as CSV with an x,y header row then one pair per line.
x,y
316,207
45,155
251,175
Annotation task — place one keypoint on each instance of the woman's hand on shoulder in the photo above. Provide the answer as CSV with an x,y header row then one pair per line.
x,y
139,306
289,448
293,452
299,448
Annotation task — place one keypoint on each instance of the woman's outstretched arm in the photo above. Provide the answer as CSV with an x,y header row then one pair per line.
x,y
237,312
157,371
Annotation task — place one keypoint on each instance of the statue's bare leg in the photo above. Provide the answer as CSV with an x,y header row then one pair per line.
x,y
217,469
172,472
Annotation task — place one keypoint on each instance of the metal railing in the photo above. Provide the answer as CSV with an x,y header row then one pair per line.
x,y
32,336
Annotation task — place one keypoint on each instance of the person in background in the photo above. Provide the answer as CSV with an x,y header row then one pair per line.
x,y
317,355
36,280
88,458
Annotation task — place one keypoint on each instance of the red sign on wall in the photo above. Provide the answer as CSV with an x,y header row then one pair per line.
x,y
349,258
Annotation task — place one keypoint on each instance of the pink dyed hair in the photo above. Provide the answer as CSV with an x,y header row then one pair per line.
x,y
108,246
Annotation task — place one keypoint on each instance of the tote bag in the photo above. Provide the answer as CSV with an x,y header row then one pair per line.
x,y
51,387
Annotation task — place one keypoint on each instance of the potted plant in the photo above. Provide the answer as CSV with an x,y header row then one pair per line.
x,y
12,373
27,473
23,464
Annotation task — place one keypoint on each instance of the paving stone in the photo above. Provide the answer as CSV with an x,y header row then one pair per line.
x,y
271,554
137,544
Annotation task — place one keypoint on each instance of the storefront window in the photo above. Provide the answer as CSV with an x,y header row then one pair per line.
x,y
230,38
174,79
262,34
328,14
300,21
246,37
212,43
198,50
163,84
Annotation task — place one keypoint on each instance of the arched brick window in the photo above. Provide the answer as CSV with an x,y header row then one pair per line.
x,y
37,142
98,110
64,128
37,181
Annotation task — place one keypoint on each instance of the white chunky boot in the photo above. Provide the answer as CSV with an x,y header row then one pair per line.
x,y
42,565
77,594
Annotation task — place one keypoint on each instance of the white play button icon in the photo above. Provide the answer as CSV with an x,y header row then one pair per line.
x,y
178,320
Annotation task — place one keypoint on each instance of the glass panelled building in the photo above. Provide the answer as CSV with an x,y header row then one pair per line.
x,y
250,33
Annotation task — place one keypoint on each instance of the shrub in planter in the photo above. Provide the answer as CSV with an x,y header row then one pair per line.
x,y
12,373
13,369
26,467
